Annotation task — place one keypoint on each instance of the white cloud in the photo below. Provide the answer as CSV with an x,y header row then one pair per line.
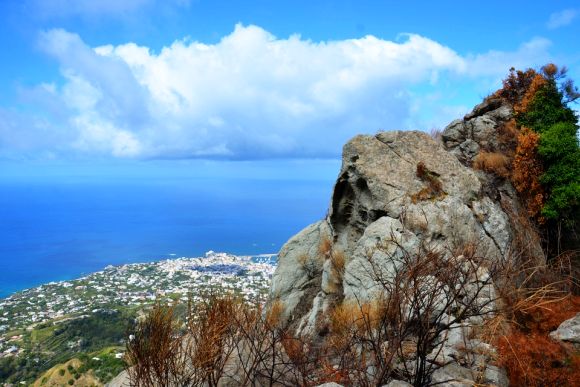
x,y
253,95
562,18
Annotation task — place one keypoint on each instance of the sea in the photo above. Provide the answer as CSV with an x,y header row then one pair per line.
x,y
59,221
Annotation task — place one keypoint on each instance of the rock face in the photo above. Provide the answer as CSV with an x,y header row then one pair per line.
x,y
396,193
379,200
480,131
477,130
569,330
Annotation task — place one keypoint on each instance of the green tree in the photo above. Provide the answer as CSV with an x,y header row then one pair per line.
x,y
549,115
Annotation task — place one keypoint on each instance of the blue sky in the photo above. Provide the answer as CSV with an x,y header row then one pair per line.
x,y
110,80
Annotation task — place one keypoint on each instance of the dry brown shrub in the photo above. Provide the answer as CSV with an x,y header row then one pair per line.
x,y
151,348
325,247
535,360
527,168
434,188
274,313
492,162
507,135
530,356
422,171
550,70
516,85
338,261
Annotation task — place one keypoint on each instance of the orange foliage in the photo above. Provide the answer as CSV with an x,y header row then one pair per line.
x,y
551,70
535,360
531,358
537,82
526,171
516,85
492,162
547,318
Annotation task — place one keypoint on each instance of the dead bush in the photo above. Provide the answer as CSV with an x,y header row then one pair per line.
x,y
325,247
492,162
535,360
527,170
392,335
434,188
530,356
337,260
152,349
507,134
535,299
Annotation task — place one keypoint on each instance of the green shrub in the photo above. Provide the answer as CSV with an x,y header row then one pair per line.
x,y
549,115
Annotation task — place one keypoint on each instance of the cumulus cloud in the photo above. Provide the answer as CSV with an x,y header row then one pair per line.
x,y
253,95
562,18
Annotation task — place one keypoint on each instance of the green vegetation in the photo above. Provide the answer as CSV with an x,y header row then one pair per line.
x,y
107,367
59,342
549,115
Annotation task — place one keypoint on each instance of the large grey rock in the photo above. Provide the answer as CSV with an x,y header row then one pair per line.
x,y
453,375
495,376
378,253
121,380
398,383
383,212
296,281
569,330
465,139
478,129
376,217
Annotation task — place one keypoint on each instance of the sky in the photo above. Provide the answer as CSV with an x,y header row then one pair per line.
x,y
110,81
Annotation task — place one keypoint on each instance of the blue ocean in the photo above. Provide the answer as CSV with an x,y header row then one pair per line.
x,y
60,222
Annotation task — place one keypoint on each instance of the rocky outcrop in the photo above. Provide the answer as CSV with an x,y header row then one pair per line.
x,y
465,137
379,200
479,131
398,193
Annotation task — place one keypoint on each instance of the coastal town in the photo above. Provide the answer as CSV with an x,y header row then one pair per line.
x,y
131,286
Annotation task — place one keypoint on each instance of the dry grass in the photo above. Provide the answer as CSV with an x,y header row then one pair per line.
x,y
337,260
530,356
274,314
535,299
151,352
325,247
492,162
